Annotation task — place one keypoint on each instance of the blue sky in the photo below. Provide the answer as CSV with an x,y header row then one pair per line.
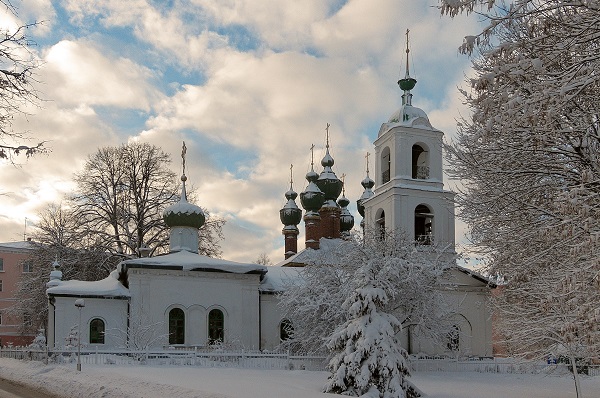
x,y
249,85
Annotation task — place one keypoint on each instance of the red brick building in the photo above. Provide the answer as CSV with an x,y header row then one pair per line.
x,y
13,264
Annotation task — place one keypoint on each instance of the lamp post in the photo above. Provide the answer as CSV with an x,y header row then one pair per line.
x,y
79,303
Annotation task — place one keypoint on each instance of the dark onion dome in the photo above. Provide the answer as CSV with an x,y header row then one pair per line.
x,y
367,184
346,218
328,182
290,214
183,213
407,84
312,197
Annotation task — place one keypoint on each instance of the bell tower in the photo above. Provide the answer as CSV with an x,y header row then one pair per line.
x,y
409,195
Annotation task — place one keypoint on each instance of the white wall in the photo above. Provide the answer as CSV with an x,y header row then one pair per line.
x,y
64,315
155,292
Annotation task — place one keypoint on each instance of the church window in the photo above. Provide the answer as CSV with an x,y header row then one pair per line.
x,y
380,222
423,225
97,331
1,265
176,326
286,330
385,165
453,339
420,163
216,326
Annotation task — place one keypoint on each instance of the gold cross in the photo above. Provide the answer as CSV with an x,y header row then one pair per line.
x,y
312,155
327,134
291,175
367,156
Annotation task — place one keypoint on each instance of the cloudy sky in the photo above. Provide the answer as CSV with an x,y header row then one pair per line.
x,y
248,84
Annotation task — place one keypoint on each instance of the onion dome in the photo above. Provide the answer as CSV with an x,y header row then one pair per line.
x,y
290,215
183,213
328,182
367,184
312,197
55,275
346,218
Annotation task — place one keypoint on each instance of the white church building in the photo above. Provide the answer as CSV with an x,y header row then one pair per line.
x,y
185,299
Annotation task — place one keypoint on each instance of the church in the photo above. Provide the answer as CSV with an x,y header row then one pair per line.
x,y
183,299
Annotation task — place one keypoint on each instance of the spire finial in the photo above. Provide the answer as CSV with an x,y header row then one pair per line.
x,y
327,135
291,176
407,83
312,157
407,51
183,152
343,184
367,157
183,176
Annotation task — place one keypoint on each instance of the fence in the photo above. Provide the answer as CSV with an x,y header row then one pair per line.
x,y
274,360
493,365
178,357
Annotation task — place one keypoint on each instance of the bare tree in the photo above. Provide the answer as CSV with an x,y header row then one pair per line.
x,y
263,259
59,238
120,197
528,159
17,76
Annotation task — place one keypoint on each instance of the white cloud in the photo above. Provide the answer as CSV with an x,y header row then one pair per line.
x,y
77,72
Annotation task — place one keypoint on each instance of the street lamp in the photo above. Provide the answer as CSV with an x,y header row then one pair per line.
x,y
79,303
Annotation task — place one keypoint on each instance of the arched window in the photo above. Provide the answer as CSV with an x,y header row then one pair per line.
x,y
216,326
420,163
453,339
380,222
176,326
385,165
286,330
97,331
423,225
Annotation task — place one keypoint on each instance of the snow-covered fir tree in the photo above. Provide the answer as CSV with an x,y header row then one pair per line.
x,y
366,357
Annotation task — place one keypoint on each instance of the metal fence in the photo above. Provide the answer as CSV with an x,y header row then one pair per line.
x,y
178,357
274,360
494,365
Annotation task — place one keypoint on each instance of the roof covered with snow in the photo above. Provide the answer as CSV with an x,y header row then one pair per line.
x,y
324,255
22,245
278,278
188,261
407,116
107,287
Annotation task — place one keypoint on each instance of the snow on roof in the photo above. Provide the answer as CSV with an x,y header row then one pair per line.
x,y
476,275
189,261
20,245
326,254
107,287
278,278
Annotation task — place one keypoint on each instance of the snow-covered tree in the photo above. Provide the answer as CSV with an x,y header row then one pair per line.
x,y
140,332
17,76
528,160
366,357
314,303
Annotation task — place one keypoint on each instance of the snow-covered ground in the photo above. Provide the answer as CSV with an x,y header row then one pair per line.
x,y
194,382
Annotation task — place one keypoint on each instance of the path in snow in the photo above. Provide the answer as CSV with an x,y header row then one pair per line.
x,y
193,382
